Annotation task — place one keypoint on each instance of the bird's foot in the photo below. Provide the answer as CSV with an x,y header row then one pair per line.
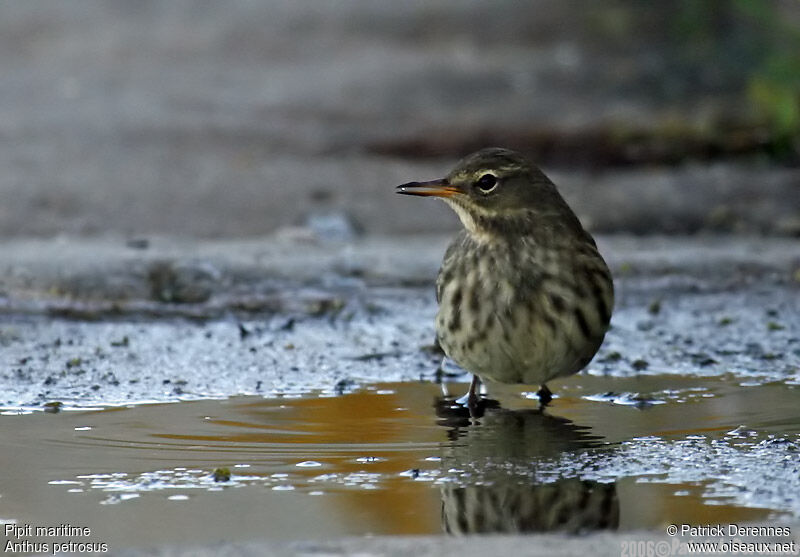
x,y
475,404
460,412
463,400
472,402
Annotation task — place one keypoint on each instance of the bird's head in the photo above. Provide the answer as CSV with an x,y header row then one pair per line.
x,y
491,186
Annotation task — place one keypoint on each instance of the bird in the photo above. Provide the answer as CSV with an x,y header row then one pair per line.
x,y
524,295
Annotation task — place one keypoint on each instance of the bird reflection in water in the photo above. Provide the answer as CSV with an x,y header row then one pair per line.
x,y
505,447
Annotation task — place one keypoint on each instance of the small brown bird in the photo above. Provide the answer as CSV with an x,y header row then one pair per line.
x,y
524,295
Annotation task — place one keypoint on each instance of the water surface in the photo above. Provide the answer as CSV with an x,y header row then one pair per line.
x,y
608,453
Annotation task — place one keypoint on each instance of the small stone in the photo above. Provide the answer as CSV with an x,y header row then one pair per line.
x,y
333,226
53,407
138,243
121,343
221,474
344,386
183,282
611,357
703,359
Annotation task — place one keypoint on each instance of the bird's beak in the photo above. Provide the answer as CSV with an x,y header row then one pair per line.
x,y
436,188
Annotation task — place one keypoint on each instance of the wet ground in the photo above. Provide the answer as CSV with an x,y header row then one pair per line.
x,y
261,400
381,460
86,322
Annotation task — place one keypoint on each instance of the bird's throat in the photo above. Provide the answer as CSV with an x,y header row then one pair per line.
x,y
472,221
487,227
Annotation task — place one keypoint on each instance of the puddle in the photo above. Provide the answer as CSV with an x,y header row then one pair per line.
x,y
609,453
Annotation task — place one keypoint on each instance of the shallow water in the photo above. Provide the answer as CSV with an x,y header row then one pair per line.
x,y
608,453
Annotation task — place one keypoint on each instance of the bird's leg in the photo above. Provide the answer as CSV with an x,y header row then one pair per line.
x,y
438,376
545,396
472,394
471,398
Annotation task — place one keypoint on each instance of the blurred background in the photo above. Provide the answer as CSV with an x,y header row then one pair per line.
x,y
244,118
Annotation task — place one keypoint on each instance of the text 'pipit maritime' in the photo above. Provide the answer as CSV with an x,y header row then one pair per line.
x,y
524,295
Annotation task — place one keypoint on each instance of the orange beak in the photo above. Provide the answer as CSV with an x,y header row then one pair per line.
x,y
435,188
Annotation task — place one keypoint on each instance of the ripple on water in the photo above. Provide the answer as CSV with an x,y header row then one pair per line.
x,y
697,444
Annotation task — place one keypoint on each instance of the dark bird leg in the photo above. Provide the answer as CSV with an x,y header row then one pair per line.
x,y
545,396
473,396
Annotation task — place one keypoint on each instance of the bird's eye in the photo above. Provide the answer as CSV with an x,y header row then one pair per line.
x,y
487,183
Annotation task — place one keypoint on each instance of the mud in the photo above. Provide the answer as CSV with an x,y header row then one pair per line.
x,y
138,378
91,325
